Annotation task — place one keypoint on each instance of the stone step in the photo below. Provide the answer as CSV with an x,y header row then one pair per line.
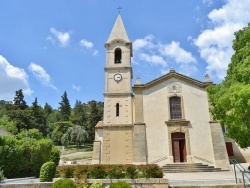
x,y
186,171
181,167
188,167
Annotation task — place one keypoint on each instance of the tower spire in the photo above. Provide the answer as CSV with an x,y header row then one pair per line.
x,y
118,31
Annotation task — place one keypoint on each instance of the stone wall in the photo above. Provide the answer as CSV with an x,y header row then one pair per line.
x,y
138,183
28,185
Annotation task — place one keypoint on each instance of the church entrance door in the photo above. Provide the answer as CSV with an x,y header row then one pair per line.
x,y
179,147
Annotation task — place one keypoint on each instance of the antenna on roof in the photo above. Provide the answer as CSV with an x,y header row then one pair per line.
x,y
119,8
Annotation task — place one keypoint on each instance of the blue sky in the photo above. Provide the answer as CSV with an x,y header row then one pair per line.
x,y
48,47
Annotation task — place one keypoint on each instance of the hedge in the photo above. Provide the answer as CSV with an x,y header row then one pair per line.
x,y
103,171
23,158
47,172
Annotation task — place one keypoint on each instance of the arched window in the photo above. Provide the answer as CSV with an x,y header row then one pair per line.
x,y
175,107
118,55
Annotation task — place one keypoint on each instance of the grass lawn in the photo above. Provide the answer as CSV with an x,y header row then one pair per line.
x,y
77,157
74,149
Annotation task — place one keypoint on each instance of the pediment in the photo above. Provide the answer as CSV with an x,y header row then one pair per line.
x,y
174,86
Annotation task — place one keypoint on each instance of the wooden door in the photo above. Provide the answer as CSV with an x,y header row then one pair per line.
x,y
179,147
183,155
176,151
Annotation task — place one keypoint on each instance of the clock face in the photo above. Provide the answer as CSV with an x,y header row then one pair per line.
x,y
117,77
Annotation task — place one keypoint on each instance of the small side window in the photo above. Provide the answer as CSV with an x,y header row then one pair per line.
x,y
118,55
117,109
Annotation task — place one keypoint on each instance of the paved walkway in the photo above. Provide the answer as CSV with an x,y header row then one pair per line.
x,y
203,178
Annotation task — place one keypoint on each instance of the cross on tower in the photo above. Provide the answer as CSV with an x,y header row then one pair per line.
x,y
119,8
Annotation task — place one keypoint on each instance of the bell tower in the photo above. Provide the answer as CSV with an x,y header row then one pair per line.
x,y
118,121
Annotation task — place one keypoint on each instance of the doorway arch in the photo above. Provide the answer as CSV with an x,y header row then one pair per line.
x,y
179,147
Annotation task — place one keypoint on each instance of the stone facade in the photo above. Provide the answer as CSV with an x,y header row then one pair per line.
x,y
166,120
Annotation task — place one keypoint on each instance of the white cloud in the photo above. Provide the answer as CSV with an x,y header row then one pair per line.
x,y
160,54
77,88
86,44
146,42
208,2
62,37
178,54
41,75
215,44
12,79
164,71
88,47
153,59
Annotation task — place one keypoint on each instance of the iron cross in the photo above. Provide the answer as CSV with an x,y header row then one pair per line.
x,y
119,8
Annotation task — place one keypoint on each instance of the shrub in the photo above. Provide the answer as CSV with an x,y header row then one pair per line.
x,y
55,156
120,184
81,172
132,172
1,175
23,158
115,172
96,172
68,172
47,172
32,133
102,171
150,171
63,183
96,185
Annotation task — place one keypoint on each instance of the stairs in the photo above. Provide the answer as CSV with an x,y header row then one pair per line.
x,y
188,167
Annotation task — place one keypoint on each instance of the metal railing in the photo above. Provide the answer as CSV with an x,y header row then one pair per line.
x,y
245,173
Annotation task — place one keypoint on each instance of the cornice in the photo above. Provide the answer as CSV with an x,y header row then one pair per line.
x,y
117,125
117,68
118,94
172,74
107,44
177,122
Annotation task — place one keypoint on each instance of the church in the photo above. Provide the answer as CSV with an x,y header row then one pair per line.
x,y
164,121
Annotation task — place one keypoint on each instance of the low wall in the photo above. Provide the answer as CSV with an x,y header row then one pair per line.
x,y
210,186
139,183
27,185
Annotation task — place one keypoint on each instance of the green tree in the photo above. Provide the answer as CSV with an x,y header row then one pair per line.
x,y
31,133
94,116
60,130
51,121
37,120
47,110
78,114
5,108
8,125
230,100
19,100
77,135
20,114
64,108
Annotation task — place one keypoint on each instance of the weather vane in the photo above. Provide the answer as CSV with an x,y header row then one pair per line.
x,y
119,8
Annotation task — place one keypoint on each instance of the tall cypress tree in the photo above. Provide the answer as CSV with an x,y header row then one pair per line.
x,y
38,118
78,115
64,108
20,113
